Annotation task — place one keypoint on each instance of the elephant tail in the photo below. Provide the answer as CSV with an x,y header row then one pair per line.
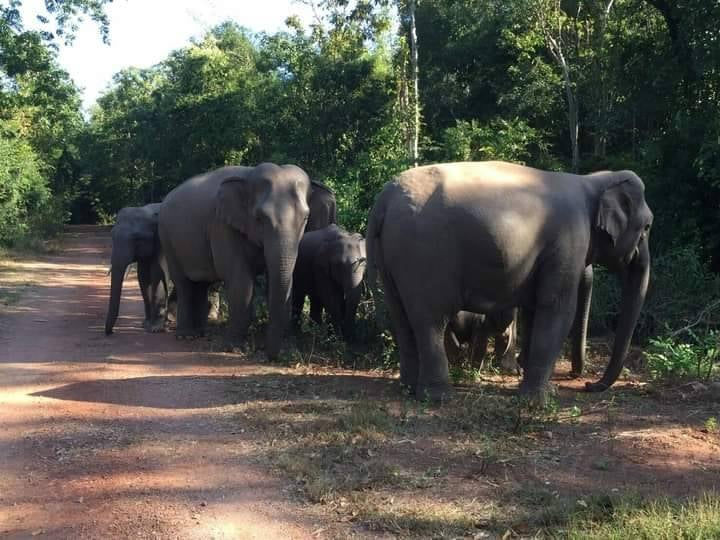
x,y
373,246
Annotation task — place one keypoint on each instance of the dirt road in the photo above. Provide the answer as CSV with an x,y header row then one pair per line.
x,y
139,435
131,435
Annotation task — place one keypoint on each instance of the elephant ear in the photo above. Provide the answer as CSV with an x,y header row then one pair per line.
x,y
234,204
322,259
615,210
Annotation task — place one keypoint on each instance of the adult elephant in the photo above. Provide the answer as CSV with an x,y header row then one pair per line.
x,y
229,225
490,236
323,207
330,270
135,240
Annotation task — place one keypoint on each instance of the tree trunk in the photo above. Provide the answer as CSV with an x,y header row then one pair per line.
x,y
416,84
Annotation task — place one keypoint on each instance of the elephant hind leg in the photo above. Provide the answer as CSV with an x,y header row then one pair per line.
x,y
185,307
201,307
404,335
433,380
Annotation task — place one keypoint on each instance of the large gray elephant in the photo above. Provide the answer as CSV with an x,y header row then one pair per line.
x,y
135,240
229,225
330,270
490,236
323,207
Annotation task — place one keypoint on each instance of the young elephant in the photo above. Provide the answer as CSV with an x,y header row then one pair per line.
x,y
135,240
475,329
330,269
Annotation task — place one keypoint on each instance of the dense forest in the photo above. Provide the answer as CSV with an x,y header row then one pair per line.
x,y
579,85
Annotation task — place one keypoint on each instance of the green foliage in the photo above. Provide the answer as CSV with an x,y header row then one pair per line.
x,y
609,518
23,189
682,287
40,120
506,140
669,358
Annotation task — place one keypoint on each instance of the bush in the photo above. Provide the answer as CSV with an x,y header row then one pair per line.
x,y
512,140
681,290
23,191
670,359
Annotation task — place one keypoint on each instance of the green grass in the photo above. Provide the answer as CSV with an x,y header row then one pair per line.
x,y
604,518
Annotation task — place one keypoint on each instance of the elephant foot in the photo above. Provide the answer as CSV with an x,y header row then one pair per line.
x,y
435,393
189,334
508,366
536,397
154,327
596,387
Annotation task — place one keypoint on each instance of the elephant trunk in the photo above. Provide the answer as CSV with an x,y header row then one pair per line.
x,y
352,289
117,273
280,257
635,284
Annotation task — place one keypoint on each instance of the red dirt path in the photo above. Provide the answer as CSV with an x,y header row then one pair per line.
x,y
121,436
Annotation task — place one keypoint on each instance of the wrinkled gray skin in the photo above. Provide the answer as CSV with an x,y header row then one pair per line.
x,y
323,212
229,225
323,207
135,240
491,236
330,270
475,329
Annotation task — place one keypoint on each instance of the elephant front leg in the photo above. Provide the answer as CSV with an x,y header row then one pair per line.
x,y
158,294
298,302
150,279
551,325
239,292
478,348
580,326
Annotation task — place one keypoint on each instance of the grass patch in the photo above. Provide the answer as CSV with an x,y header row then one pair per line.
x,y
435,520
655,520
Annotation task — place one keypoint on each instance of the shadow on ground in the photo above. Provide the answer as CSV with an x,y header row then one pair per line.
x,y
200,392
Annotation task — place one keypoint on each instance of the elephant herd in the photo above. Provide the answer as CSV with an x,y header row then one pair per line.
x,y
463,251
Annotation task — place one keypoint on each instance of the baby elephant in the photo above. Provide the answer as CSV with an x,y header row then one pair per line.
x,y
330,269
475,329
135,240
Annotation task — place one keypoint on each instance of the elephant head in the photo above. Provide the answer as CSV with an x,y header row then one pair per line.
x,y
268,204
341,261
323,207
134,238
620,239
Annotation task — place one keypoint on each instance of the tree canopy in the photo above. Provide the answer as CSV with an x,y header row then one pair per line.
x,y
558,84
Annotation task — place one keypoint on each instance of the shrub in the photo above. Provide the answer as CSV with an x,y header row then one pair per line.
x,y
669,358
512,140
23,191
681,285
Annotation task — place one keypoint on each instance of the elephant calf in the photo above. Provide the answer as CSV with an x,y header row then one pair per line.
x,y
475,329
330,269
135,240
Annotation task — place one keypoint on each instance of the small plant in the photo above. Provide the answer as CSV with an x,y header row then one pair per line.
x,y
671,359
711,425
